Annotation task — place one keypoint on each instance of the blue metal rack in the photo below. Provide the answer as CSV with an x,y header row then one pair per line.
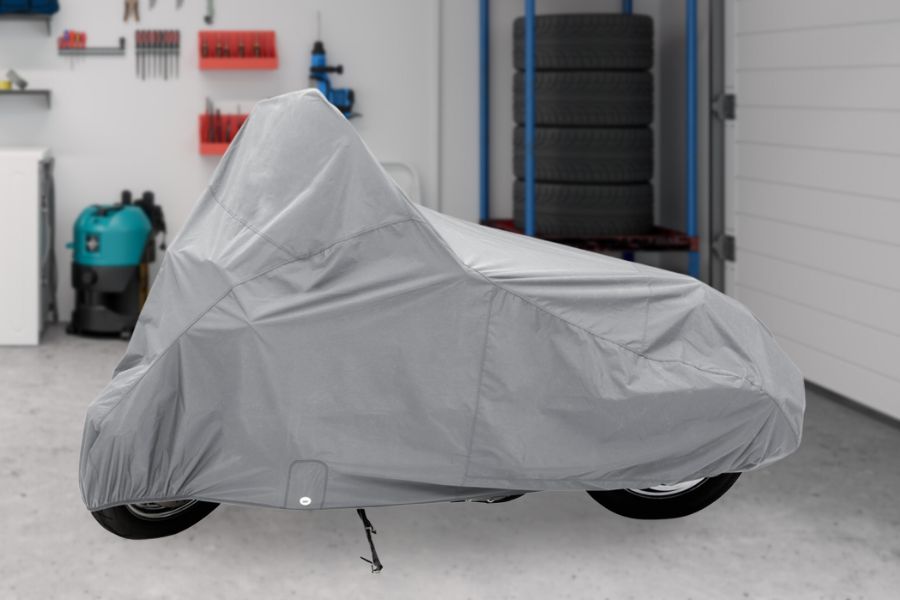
x,y
663,239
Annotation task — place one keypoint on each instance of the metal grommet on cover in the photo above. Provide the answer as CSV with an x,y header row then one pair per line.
x,y
305,501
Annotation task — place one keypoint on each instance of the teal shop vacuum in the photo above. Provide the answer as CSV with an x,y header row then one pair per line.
x,y
113,248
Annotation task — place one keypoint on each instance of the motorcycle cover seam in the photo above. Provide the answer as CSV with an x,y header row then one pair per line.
x,y
246,224
232,288
484,345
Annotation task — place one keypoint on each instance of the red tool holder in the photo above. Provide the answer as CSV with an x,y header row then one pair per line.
x,y
218,131
72,40
237,50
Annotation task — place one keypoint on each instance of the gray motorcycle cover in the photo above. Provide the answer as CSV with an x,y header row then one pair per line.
x,y
313,335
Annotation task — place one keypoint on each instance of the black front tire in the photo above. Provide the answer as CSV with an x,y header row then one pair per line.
x,y
152,520
644,504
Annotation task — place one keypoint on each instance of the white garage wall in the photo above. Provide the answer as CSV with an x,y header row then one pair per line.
x,y
817,186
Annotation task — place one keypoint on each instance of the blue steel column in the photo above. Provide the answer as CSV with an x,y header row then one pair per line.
x,y
691,135
485,110
529,117
627,7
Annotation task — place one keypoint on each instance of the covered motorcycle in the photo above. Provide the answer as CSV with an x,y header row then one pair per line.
x,y
315,340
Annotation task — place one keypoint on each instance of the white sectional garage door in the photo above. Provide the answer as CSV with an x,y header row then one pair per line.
x,y
814,185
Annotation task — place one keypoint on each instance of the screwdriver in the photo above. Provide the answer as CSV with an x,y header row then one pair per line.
x,y
165,54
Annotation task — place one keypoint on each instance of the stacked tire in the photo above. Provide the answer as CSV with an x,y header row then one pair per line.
x,y
593,144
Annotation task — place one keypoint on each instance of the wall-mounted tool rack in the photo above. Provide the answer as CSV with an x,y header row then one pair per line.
x,y
157,53
217,131
95,51
237,50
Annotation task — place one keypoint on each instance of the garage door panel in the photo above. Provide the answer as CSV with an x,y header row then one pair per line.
x,y
856,131
871,44
849,299
869,262
866,174
815,185
878,392
875,219
867,347
872,88
779,15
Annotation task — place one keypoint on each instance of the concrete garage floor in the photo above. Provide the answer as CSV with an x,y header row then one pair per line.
x,y
824,523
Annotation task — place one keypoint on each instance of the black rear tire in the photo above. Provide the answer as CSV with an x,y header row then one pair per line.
x,y
592,155
580,211
636,504
588,41
130,522
588,98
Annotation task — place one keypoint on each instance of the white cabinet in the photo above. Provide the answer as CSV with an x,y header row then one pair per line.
x,y
27,263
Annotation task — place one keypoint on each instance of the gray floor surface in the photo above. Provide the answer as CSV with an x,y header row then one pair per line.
x,y
824,523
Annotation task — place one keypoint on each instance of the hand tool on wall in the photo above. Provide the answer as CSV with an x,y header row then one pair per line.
x,y
151,52
131,10
210,127
173,50
16,79
319,76
210,12
167,47
177,34
138,53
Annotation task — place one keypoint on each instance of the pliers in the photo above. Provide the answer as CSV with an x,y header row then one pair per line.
x,y
131,7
